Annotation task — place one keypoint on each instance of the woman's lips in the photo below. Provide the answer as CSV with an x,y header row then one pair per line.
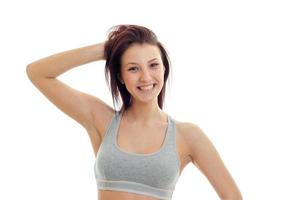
x,y
146,87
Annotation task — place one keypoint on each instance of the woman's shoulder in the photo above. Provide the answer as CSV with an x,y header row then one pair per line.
x,y
191,135
102,118
188,129
185,125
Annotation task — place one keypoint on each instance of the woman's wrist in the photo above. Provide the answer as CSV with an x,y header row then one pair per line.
x,y
98,51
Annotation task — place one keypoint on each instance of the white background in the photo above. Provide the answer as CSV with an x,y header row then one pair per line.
x,y
235,73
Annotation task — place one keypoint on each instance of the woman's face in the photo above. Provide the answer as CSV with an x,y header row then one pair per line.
x,y
142,71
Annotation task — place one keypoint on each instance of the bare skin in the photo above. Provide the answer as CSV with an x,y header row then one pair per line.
x,y
94,114
132,143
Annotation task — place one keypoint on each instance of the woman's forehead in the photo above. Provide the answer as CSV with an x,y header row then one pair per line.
x,y
139,53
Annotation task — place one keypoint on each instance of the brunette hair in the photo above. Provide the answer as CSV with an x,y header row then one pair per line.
x,y
119,40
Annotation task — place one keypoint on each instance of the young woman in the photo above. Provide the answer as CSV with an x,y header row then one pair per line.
x,y
140,150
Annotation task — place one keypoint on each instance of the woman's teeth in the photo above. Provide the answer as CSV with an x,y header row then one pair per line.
x,y
149,87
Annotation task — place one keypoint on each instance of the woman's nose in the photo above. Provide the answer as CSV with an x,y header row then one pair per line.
x,y
145,75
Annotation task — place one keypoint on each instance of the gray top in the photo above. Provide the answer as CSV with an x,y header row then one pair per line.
x,y
154,174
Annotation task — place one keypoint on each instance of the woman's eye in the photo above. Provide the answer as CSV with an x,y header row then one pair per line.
x,y
154,64
136,68
132,69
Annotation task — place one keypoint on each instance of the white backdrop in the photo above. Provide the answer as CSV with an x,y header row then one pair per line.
x,y
235,73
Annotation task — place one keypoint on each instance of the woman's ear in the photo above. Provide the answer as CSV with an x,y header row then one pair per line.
x,y
120,78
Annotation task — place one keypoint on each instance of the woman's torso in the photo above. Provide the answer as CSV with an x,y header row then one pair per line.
x,y
134,143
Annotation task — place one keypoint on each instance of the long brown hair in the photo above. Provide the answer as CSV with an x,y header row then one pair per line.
x,y
120,38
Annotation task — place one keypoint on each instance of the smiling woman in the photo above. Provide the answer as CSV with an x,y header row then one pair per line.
x,y
140,150
136,49
145,76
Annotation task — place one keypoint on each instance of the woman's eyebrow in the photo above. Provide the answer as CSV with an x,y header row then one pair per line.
x,y
137,63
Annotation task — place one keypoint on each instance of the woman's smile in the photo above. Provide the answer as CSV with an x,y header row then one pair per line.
x,y
146,87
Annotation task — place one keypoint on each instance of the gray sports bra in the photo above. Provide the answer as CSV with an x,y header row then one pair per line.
x,y
154,174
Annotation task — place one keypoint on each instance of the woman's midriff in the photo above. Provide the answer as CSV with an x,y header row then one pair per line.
x,y
119,195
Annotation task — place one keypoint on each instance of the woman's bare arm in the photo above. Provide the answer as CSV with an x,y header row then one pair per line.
x,y
76,104
207,159
54,65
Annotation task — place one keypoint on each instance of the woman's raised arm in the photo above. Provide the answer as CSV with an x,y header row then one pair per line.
x,y
76,104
